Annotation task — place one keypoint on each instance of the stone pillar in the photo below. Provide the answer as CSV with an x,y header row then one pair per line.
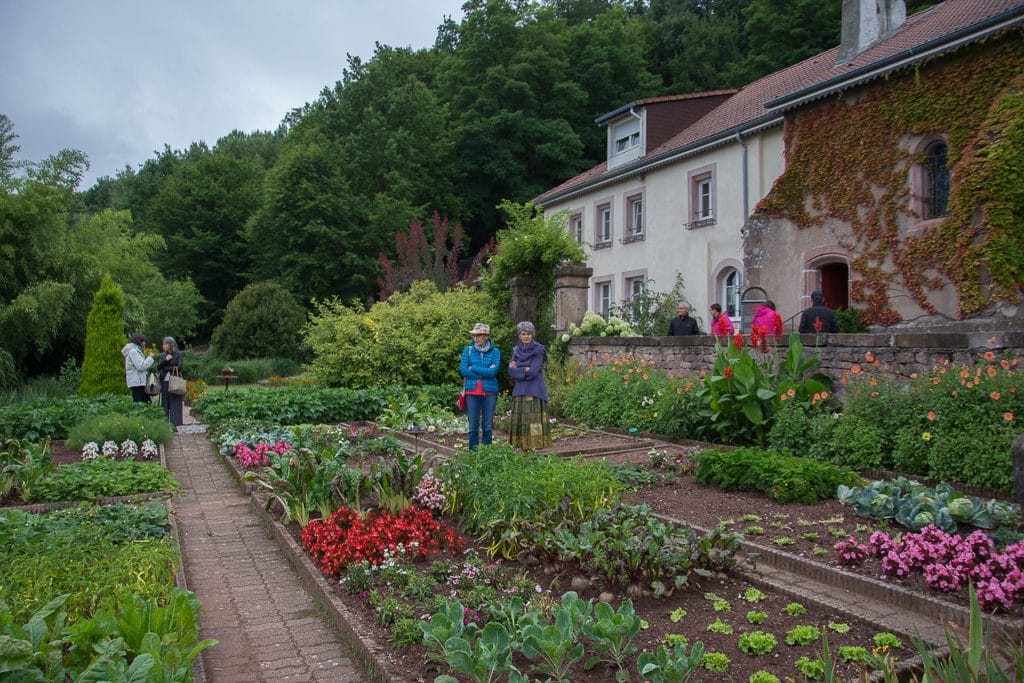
x,y
1017,455
572,282
523,303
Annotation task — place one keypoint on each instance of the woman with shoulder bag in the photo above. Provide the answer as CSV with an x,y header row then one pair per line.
x,y
170,364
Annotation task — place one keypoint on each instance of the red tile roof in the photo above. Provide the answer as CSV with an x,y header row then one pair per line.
x,y
940,28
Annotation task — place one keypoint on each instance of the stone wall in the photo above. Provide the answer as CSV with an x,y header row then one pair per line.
x,y
898,353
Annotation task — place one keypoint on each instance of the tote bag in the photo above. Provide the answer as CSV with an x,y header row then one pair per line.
x,y
176,383
152,386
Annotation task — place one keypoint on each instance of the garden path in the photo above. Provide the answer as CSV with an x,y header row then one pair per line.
x,y
268,627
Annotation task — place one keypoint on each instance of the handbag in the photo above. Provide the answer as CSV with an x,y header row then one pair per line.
x,y
176,383
152,386
461,402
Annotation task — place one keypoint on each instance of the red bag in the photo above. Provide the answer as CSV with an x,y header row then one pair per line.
x,y
461,402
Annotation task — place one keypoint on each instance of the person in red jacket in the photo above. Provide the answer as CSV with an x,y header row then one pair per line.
x,y
721,325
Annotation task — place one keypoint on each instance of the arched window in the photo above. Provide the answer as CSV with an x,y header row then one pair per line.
x,y
936,180
732,290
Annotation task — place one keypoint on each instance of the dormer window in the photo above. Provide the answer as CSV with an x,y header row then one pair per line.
x,y
624,140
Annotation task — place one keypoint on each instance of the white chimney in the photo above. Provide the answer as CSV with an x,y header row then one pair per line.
x,y
865,22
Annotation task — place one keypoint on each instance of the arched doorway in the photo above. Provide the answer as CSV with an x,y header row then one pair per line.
x,y
835,284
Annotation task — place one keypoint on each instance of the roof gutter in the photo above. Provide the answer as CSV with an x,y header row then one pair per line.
x,y
967,34
668,157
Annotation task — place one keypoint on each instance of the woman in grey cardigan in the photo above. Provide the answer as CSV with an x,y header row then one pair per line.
x,y
529,427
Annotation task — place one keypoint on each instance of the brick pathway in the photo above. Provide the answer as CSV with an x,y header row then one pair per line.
x,y
269,627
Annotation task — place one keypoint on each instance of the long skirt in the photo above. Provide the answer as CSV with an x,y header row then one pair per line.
x,y
528,426
172,405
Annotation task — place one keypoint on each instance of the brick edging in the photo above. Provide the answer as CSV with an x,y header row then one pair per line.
x,y
181,577
903,598
362,648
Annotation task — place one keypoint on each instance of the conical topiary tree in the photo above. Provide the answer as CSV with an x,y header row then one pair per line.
x,y
103,367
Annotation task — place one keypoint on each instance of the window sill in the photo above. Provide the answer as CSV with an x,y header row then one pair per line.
x,y
603,245
703,223
629,239
926,224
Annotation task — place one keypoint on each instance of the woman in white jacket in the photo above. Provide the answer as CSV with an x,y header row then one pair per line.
x,y
135,366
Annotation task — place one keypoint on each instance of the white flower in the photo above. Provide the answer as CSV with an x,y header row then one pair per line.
x,y
128,449
90,451
110,448
149,449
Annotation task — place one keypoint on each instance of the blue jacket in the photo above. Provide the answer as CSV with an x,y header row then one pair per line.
x,y
480,365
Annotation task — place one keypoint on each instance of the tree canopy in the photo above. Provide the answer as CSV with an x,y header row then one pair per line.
x,y
501,108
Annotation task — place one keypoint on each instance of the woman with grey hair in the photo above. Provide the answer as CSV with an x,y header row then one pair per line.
x,y
170,363
528,426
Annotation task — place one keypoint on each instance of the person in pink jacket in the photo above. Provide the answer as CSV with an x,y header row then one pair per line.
x,y
721,325
767,322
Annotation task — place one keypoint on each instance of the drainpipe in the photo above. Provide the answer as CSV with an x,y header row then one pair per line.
x,y
746,178
746,205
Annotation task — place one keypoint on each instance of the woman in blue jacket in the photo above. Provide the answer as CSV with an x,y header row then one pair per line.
x,y
479,369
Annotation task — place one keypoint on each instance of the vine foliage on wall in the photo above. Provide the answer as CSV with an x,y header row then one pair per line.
x,y
849,161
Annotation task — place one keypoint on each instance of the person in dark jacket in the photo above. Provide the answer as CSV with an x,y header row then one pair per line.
x,y
818,311
479,369
529,427
170,362
683,325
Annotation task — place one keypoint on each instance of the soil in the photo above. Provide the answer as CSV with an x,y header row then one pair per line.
x,y
808,531
413,663
703,506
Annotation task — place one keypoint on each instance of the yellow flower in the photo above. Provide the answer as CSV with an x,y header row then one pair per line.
x,y
927,436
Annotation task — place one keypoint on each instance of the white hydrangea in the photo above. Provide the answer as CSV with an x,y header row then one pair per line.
x,y
90,451
149,449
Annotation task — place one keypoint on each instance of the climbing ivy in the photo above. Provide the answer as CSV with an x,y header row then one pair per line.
x,y
848,161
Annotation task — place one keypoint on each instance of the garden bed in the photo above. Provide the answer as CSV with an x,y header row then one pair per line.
x,y
798,533
688,612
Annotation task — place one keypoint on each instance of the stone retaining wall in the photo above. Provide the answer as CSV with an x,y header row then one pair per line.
x,y
900,354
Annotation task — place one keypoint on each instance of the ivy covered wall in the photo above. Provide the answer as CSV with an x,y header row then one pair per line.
x,y
846,184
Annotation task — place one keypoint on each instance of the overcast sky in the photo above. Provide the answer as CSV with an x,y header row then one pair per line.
x,y
119,79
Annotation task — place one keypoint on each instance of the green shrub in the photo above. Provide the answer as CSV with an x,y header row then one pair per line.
x,y
849,441
849,320
959,420
631,392
782,477
414,337
791,429
262,321
52,417
304,404
116,427
103,367
910,453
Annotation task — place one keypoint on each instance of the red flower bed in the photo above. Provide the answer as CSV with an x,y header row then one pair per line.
x,y
346,537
